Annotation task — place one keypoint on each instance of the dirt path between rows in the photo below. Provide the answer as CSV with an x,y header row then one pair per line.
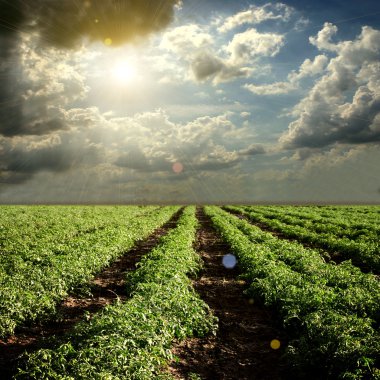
x,y
105,288
241,349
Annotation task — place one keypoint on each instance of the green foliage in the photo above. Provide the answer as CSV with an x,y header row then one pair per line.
x,y
133,340
331,312
356,238
48,252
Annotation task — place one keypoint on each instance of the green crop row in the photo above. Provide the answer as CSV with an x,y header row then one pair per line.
x,y
365,254
132,340
341,215
26,229
331,312
354,229
33,282
360,295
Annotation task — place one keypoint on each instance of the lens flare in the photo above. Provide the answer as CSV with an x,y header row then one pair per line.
x,y
177,168
275,344
229,261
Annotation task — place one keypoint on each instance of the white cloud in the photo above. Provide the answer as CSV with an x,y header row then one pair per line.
x,y
301,23
323,39
148,142
308,68
186,39
277,88
327,114
252,44
205,143
256,15
194,47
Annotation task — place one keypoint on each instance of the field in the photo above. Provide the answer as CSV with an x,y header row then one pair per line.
x,y
172,292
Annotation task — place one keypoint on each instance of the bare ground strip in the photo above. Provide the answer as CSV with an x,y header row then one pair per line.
x,y
241,348
105,288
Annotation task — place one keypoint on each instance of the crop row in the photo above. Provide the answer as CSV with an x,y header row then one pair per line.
x,y
132,340
33,281
340,215
331,312
25,229
365,288
362,253
353,229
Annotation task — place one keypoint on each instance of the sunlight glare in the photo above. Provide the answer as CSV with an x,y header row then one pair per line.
x,y
124,72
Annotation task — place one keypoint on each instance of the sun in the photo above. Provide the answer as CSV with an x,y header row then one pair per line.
x,y
124,72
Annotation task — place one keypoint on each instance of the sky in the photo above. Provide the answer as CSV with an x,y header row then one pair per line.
x,y
193,101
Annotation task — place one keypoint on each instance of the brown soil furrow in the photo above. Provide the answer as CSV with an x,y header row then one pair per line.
x,y
105,288
241,348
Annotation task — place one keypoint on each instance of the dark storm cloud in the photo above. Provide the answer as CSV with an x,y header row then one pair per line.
x,y
65,23
12,16
44,159
20,160
15,122
24,109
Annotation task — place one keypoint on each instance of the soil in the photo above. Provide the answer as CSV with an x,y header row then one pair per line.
x,y
105,288
241,348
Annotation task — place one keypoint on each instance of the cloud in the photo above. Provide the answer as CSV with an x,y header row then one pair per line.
x,y
344,104
310,68
323,39
253,150
277,88
256,15
251,44
155,143
148,142
307,69
41,51
186,39
23,157
67,23
208,59
194,44
37,84
206,65
82,143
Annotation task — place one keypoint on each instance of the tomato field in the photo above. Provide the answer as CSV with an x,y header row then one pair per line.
x,y
302,301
